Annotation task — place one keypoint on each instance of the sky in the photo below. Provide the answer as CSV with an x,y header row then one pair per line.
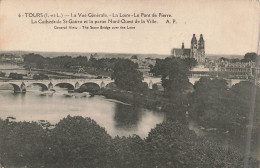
x,y
228,26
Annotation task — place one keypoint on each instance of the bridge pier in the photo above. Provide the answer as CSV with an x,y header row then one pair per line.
x,y
77,85
150,84
102,85
50,86
23,88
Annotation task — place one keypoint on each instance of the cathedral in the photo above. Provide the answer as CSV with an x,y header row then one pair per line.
x,y
196,51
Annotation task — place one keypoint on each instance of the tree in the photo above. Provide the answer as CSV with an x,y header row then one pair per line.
x,y
40,76
130,152
77,142
250,57
33,58
213,105
126,75
223,59
234,60
241,98
21,144
15,76
190,62
134,57
92,61
174,73
206,102
172,144
80,142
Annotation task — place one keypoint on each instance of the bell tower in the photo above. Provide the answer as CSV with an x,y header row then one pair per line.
x,y
194,47
201,49
201,43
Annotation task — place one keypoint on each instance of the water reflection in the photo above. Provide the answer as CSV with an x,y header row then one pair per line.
x,y
127,117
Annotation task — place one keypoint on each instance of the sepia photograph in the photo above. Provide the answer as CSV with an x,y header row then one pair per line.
x,y
129,84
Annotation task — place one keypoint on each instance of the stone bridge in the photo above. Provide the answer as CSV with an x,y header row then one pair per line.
x,y
70,84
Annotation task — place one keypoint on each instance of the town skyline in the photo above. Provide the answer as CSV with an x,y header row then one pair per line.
x,y
120,54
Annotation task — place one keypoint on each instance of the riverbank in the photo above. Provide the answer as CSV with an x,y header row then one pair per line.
x,y
150,99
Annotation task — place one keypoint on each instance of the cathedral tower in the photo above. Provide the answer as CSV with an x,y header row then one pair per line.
x,y
201,42
194,47
201,49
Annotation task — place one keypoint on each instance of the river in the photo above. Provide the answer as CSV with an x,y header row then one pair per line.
x,y
116,117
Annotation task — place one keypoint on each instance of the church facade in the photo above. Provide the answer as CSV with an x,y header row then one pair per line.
x,y
196,51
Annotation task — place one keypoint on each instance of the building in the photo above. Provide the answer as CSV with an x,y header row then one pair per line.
x,y
234,70
196,51
11,58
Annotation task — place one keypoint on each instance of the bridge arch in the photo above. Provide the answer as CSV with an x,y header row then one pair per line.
x,y
69,86
90,86
16,87
43,86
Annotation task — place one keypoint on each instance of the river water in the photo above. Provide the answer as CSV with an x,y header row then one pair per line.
x,y
116,117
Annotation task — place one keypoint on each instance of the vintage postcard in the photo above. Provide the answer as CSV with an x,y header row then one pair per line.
x,y
129,84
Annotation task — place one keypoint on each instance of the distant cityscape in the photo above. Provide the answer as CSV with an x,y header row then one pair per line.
x,y
231,68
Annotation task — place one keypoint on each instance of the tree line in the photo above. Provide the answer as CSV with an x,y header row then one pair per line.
x,y
80,142
214,105
68,62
